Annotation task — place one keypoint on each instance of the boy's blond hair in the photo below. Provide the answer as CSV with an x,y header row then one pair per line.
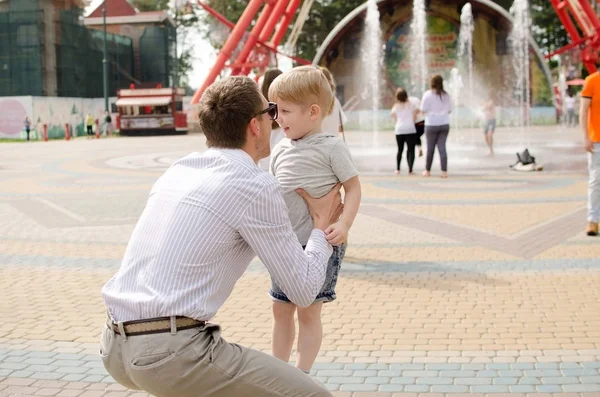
x,y
304,85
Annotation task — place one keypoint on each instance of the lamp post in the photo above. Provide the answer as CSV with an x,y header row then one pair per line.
x,y
105,61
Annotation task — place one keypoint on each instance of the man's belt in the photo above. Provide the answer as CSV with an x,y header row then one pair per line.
x,y
154,325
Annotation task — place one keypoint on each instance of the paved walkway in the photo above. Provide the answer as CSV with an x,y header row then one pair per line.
x,y
482,284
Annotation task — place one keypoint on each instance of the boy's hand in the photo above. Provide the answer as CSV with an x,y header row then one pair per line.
x,y
337,233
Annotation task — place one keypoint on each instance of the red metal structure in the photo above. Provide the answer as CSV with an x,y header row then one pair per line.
x,y
578,17
261,43
583,26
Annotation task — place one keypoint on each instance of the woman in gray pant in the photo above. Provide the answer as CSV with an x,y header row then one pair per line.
x,y
437,107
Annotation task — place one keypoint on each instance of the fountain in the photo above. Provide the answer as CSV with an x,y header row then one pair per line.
x,y
465,42
562,89
455,86
519,42
418,49
372,61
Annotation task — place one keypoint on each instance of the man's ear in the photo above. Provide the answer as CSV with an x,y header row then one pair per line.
x,y
254,126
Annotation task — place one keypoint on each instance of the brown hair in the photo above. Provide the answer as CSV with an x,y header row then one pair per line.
x,y
437,84
268,78
401,95
304,85
225,110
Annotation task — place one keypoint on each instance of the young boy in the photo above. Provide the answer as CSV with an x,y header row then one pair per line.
x,y
316,161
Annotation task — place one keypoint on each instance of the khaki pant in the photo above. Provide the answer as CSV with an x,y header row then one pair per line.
x,y
199,363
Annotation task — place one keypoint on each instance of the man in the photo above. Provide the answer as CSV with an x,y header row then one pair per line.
x,y
205,219
589,119
89,123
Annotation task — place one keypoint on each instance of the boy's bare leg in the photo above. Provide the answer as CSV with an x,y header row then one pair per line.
x,y
310,335
486,135
284,330
489,139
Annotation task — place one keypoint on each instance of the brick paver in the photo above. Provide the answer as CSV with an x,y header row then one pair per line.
x,y
481,285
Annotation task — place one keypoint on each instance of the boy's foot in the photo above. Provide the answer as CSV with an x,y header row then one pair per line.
x,y
396,172
592,229
444,175
426,173
410,173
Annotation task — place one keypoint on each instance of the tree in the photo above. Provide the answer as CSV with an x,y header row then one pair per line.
x,y
323,17
151,5
547,29
186,20
325,14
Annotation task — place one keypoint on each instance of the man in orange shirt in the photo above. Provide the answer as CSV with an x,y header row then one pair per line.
x,y
589,119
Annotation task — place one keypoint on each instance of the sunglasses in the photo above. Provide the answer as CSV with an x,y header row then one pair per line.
x,y
271,110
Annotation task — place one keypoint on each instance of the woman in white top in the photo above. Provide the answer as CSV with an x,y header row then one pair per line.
x,y
276,132
334,121
436,106
404,113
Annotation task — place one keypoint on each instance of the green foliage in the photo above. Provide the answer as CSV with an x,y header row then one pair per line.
x,y
325,14
547,29
186,20
151,5
323,17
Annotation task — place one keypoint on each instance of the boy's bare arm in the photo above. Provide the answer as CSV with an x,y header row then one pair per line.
x,y
338,232
352,195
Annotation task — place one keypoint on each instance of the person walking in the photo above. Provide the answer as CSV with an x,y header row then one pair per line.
x,y
206,218
419,123
436,106
589,120
489,124
89,123
108,129
27,127
404,113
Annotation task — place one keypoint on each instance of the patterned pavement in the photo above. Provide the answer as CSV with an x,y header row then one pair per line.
x,y
482,285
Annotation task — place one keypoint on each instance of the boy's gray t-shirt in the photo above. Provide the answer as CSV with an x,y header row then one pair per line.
x,y
315,163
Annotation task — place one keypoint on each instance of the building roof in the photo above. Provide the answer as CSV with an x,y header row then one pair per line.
x,y
121,12
114,8
141,17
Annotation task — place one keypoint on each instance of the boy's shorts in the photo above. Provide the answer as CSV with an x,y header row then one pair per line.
x,y
327,293
489,126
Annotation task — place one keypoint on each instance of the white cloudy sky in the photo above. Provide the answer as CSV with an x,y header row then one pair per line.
x,y
204,54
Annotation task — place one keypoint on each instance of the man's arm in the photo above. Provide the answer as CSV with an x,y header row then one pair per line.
x,y
584,111
266,227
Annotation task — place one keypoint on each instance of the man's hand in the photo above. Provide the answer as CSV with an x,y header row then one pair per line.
x,y
588,144
325,210
337,233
